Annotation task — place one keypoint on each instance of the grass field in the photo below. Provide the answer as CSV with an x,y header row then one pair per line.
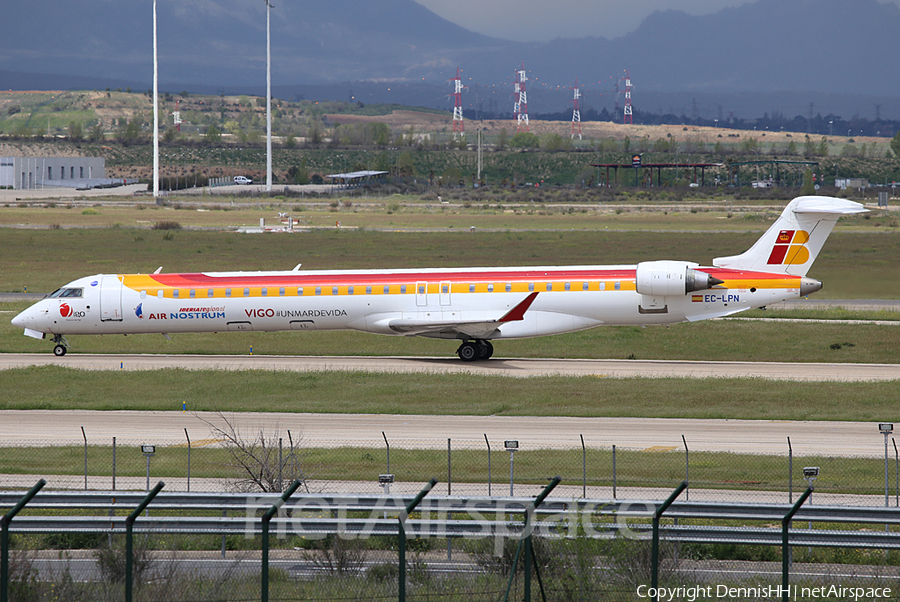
x,y
853,264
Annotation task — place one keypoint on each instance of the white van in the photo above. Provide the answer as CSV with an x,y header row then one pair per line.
x,y
242,180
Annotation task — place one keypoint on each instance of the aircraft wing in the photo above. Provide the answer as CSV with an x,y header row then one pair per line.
x,y
476,329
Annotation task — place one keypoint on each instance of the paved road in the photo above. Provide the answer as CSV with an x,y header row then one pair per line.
x,y
63,427
517,367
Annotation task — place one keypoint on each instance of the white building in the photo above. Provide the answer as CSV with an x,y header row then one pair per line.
x,y
22,173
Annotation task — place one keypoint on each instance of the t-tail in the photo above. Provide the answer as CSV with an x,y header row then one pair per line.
x,y
791,245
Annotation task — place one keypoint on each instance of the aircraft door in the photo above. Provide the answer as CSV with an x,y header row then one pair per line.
x,y
110,299
445,293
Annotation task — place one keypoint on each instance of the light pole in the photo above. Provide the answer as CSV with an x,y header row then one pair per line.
x,y
155,110
512,446
268,98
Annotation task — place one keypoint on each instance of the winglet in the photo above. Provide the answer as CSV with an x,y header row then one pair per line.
x,y
518,312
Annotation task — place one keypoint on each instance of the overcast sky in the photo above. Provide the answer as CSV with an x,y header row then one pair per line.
x,y
541,20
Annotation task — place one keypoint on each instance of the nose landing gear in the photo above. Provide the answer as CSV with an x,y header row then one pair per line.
x,y
471,351
62,345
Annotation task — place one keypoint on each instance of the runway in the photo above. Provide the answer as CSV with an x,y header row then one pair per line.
x,y
509,367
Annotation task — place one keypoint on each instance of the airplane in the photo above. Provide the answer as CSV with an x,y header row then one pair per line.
x,y
472,305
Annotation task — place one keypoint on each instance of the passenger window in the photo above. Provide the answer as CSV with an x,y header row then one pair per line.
x,y
159,294
210,293
584,286
508,287
568,286
193,293
403,289
549,286
387,289
490,288
143,294
265,292
471,288
246,292
227,292
602,286
530,287
318,290
175,294
421,290
349,290
300,291
334,290
368,290
281,291
618,285
445,288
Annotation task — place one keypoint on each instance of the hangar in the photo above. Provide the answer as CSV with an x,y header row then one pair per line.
x,y
21,173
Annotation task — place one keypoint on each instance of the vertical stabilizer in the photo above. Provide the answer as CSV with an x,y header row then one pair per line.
x,y
792,243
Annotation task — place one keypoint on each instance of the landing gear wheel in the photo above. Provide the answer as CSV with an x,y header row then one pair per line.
x,y
468,352
485,350
59,350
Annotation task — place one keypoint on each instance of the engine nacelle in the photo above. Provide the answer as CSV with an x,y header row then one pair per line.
x,y
671,278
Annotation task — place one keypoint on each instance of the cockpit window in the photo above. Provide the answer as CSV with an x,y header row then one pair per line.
x,y
67,292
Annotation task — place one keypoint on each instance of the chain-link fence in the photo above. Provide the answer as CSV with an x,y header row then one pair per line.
x,y
231,461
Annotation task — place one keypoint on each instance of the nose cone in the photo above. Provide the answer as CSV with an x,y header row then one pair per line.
x,y
22,320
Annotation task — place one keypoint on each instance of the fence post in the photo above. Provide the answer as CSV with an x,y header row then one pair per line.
x,y
614,471
129,539
267,517
388,445
401,537
790,472
687,468
85,457
654,555
449,480
4,538
280,481
489,462
114,465
583,468
526,542
785,550
896,472
189,460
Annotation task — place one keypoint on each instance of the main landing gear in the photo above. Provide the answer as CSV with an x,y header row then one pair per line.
x,y
471,351
61,345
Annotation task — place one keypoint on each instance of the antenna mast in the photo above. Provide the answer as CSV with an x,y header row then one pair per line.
x,y
576,112
627,116
459,128
520,108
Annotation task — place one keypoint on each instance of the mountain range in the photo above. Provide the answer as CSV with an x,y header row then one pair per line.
x,y
808,50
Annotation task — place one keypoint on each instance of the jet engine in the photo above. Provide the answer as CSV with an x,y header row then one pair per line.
x,y
671,278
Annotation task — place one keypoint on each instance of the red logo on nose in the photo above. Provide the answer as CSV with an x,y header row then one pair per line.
x,y
64,310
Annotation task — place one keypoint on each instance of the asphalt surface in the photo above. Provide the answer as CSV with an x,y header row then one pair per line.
x,y
63,427
513,367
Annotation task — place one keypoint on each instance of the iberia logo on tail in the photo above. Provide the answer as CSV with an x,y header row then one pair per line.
x,y
790,248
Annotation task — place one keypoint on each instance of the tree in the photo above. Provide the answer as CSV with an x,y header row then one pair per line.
x,y
213,135
808,187
259,459
895,144
525,140
75,131
502,139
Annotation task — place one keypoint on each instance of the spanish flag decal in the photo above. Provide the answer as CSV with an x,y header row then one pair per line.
x,y
696,298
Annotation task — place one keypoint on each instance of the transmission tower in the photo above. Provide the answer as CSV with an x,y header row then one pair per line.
x,y
627,116
576,111
459,129
520,108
